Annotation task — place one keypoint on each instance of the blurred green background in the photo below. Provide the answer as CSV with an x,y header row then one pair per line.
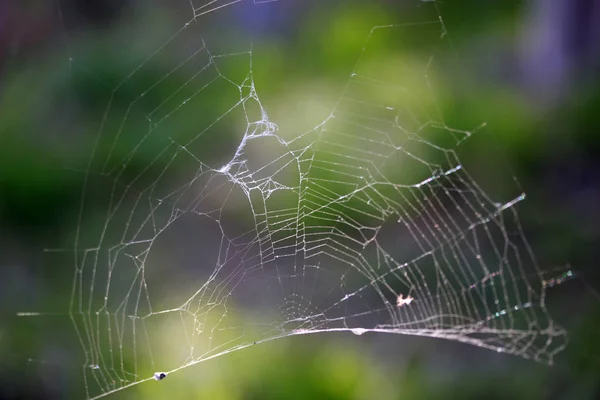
x,y
527,68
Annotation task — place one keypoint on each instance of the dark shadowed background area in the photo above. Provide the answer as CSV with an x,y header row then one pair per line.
x,y
528,69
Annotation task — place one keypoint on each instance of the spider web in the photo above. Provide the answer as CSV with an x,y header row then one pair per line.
x,y
367,222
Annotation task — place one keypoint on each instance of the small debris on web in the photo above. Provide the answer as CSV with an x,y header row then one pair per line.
x,y
159,376
402,301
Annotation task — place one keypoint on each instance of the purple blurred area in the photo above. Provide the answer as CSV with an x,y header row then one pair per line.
x,y
560,45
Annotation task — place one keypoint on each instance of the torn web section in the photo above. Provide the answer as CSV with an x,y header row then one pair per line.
x,y
157,252
391,204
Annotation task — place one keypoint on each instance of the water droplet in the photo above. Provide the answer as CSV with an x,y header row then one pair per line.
x,y
358,331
